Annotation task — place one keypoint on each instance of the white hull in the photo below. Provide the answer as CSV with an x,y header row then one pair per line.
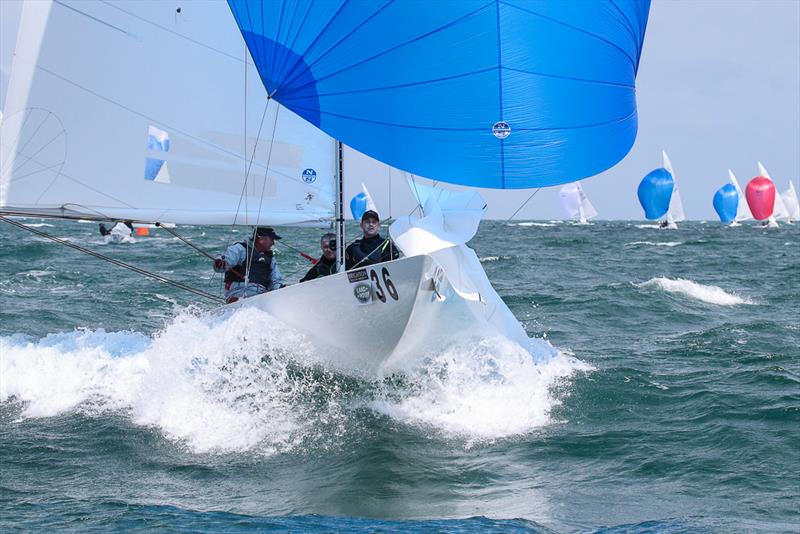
x,y
383,334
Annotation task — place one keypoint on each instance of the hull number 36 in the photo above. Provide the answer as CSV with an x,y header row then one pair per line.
x,y
383,284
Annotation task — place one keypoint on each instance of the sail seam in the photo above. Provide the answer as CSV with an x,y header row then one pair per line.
x,y
388,50
500,117
580,30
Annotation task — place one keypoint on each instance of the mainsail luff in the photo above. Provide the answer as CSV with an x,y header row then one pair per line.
x,y
89,136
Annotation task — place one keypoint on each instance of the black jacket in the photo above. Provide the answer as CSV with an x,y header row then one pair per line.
x,y
323,267
363,252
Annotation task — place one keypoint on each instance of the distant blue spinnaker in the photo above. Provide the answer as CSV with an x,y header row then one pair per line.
x,y
358,205
655,193
726,203
500,94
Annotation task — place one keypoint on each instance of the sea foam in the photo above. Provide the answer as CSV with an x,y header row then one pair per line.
x,y
201,382
490,390
220,385
704,293
654,244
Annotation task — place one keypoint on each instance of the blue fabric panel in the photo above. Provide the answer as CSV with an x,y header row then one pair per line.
x,y
655,193
726,203
419,85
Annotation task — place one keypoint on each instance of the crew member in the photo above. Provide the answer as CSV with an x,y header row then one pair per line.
x,y
326,264
255,261
371,248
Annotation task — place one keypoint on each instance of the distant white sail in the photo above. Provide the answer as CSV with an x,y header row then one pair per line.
x,y
791,202
575,203
743,212
780,212
675,213
150,126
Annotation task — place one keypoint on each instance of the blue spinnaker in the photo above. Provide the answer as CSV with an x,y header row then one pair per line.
x,y
487,93
726,203
358,205
655,192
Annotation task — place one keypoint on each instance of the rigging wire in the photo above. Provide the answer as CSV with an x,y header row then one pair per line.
x,y
119,263
523,204
176,234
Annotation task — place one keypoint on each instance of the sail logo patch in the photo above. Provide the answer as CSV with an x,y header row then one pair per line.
x,y
155,169
309,176
501,129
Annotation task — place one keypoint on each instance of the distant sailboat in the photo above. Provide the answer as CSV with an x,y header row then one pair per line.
x,y
675,213
743,211
659,196
779,210
792,204
726,203
575,203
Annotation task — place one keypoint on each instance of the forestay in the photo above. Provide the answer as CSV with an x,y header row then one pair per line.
x,y
486,93
138,110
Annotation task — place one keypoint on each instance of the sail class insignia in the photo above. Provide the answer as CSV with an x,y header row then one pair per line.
x,y
501,129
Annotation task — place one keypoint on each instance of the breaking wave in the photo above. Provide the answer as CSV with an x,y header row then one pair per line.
x,y
654,244
218,385
487,391
540,224
704,293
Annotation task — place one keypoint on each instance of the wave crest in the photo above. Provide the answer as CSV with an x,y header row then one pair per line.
x,y
704,293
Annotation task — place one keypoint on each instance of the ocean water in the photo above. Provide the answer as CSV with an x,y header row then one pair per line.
x,y
668,400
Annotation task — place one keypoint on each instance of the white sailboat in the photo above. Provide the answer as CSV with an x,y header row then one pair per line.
x,y
147,118
743,210
675,213
779,212
575,203
791,202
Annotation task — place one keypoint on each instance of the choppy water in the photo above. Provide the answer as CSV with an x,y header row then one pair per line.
x,y
672,403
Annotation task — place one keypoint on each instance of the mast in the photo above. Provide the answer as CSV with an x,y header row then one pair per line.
x,y
339,224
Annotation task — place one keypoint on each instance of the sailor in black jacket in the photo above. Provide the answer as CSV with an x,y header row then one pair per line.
x,y
326,264
371,248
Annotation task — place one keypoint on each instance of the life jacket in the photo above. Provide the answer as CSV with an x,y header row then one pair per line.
x,y
260,267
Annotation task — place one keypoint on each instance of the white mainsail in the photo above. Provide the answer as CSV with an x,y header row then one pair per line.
x,y
675,213
791,202
743,210
141,118
575,203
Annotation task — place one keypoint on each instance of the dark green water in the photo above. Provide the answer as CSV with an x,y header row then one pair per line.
x,y
674,406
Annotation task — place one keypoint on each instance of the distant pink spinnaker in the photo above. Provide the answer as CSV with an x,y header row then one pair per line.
x,y
760,195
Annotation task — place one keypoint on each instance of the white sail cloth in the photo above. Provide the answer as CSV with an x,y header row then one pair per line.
x,y
780,211
675,212
450,220
791,202
142,118
575,203
743,211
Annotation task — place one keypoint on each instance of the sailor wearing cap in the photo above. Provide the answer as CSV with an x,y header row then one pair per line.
x,y
253,259
371,248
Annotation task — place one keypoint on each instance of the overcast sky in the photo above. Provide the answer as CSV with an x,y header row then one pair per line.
x,y
718,87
